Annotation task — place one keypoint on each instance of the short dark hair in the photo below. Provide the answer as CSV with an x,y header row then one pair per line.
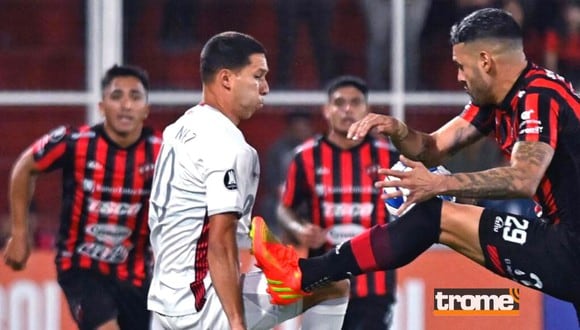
x,y
227,50
485,23
124,71
347,80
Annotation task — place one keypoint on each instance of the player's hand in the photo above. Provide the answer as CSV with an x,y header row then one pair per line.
x,y
17,252
312,236
419,181
383,124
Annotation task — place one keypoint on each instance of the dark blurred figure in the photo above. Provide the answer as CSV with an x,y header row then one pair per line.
x,y
563,42
299,127
378,14
178,24
318,17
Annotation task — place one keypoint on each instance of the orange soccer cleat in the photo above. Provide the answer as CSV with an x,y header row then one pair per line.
x,y
279,263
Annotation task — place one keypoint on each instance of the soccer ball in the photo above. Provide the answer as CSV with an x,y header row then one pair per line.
x,y
394,203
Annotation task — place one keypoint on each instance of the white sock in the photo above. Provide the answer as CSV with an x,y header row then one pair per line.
x,y
328,315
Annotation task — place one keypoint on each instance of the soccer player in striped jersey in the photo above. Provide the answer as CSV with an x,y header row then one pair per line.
x,y
332,178
103,254
204,187
534,115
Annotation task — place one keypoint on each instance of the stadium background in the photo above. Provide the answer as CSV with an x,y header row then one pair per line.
x,y
53,52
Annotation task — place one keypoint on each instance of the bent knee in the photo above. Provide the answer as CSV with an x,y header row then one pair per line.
x,y
335,290
342,288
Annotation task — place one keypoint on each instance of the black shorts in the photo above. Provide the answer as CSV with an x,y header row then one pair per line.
x,y
373,312
531,252
94,299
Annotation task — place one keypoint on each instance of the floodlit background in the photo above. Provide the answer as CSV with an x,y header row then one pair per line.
x,y
53,53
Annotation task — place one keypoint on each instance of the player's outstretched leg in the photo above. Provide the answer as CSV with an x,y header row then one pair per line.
x,y
379,248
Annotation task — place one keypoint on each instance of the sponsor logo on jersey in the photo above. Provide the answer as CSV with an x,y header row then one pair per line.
x,y
322,190
108,233
321,170
113,208
531,130
57,134
91,187
344,232
527,114
87,134
332,210
94,165
102,252
146,170
230,181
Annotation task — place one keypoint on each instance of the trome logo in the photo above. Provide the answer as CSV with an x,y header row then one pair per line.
x,y
449,302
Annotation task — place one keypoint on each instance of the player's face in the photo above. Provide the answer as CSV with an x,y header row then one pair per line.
x,y
346,106
124,106
250,86
471,75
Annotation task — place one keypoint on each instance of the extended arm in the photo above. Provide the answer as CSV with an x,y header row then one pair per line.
x,y
224,266
21,188
430,149
528,165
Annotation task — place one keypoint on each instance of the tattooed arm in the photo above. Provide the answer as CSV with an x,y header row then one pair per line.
x,y
529,162
430,149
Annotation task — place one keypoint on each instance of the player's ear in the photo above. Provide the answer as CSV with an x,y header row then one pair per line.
x,y
101,108
485,61
326,110
147,111
224,78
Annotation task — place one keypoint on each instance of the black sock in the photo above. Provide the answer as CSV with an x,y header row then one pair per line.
x,y
335,265
380,248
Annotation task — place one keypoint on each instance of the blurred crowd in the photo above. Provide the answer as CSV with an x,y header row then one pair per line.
x,y
334,28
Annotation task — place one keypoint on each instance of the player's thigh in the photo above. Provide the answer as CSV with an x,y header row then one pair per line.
x,y
211,316
460,229
259,312
531,252
89,297
132,306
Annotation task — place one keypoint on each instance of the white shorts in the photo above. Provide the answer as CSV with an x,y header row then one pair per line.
x,y
259,312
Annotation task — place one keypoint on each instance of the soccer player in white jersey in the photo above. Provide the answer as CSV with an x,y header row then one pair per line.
x,y
205,183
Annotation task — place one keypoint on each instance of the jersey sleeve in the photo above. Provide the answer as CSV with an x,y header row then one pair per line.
x,y
227,175
538,119
294,191
480,117
49,151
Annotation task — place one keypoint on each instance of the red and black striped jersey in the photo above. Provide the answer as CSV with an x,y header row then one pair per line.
x,y
105,199
541,106
336,188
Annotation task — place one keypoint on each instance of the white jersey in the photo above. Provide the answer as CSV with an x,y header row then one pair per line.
x,y
205,167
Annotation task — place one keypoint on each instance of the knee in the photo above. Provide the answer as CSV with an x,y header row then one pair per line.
x,y
343,288
338,289
335,290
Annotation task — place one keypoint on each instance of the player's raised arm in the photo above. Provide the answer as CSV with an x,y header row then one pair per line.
x,y
429,149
